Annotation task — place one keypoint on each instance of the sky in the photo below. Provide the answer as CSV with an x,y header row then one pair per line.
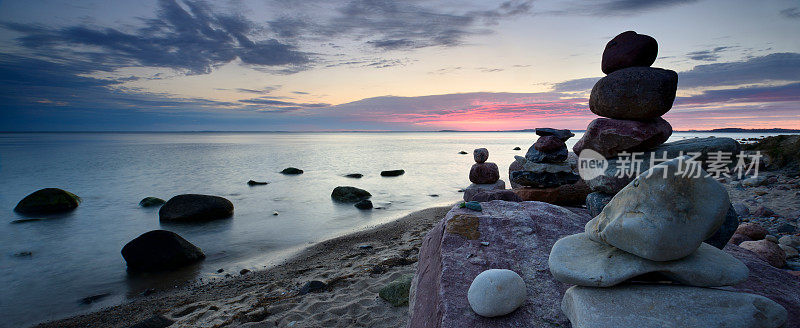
x,y
382,65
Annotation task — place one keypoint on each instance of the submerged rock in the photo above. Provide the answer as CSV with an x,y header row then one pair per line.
x,y
347,194
364,204
195,208
160,250
657,306
256,183
496,292
151,201
396,292
662,218
292,171
578,260
392,173
354,175
48,201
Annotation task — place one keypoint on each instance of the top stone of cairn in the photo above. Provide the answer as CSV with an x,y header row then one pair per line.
x,y
562,134
480,155
629,49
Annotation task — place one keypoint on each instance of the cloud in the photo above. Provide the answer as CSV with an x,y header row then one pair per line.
x,y
752,94
617,7
772,67
194,40
707,55
793,13
273,105
576,85
264,90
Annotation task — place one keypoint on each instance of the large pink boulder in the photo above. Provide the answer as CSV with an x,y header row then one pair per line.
x,y
519,237
610,137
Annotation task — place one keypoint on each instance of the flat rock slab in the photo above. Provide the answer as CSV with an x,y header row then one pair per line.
x,y
660,306
519,236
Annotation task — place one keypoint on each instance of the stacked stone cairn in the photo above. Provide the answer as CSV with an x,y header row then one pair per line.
x,y
642,261
486,184
545,173
631,99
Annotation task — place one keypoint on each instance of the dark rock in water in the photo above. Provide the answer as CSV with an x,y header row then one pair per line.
x,y
629,49
463,152
490,195
558,156
634,93
313,286
517,148
543,179
596,201
364,204
195,208
244,271
610,137
349,194
48,201
354,175
724,233
549,144
480,155
151,201
562,134
484,173
23,254
396,292
433,195
156,321
94,298
256,183
392,173
26,220
292,170
220,270
160,250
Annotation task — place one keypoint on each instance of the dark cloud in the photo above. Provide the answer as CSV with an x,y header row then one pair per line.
x,y
194,40
793,13
577,85
394,25
272,104
264,90
617,7
707,55
761,94
772,67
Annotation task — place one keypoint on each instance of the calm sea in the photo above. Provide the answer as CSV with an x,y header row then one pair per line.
x,y
78,255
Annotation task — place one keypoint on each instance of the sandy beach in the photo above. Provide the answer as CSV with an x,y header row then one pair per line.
x,y
353,273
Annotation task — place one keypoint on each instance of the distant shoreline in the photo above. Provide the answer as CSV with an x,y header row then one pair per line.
x,y
723,130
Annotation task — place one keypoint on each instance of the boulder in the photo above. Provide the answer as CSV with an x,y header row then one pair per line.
x,y
543,179
567,195
543,167
789,251
195,208
790,240
160,250
536,156
763,212
292,171
549,144
754,181
48,201
347,194
634,93
578,260
562,134
742,209
474,189
724,233
752,230
480,155
364,204
451,255
629,49
496,292
484,173
662,216
392,173
596,201
738,238
656,306
151,201
396,292
490,195
610,137
615,178
767,250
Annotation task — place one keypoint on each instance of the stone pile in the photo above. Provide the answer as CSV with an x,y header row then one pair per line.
x,y
629,260
545,173
486,184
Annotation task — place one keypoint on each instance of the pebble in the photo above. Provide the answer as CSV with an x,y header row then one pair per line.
x,y
496,292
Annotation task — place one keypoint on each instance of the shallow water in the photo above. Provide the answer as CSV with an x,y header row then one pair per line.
x,y
78,254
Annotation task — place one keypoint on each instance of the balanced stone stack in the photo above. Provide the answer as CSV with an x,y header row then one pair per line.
x,y
545,174
642,261
486,184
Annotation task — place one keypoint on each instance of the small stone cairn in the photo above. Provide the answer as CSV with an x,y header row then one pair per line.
x,y
642,261
486,184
